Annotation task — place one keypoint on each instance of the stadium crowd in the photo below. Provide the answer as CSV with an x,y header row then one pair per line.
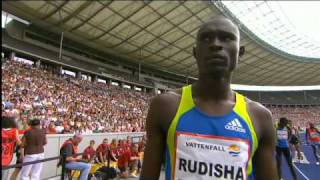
x,y
69,105
300,116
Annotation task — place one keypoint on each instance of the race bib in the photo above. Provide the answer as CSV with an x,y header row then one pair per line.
x,y
314,134
210,157
282,134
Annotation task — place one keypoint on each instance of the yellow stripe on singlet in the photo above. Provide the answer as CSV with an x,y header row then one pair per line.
x,y
186,103
241,110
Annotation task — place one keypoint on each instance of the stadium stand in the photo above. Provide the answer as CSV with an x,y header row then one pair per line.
x,y
145,45
284,97
30,92
300,116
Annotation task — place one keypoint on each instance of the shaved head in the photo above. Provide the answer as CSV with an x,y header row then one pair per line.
x,y
216,20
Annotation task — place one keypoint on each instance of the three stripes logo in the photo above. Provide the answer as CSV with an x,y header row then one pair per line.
x,y
235,125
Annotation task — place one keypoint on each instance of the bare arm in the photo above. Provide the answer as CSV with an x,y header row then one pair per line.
x,y
22,141
289,133
134,158
101,157
22,147
70,158
69,154
156,142
44,138
17,138
21,152
307,135
264,160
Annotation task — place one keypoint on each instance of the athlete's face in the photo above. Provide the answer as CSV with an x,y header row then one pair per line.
x,y
217,47
311,125
283,122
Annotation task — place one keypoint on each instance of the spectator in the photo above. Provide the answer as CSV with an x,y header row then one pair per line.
x,y
134,163
33,142
128,161
52,128
19,151
66,130
58,127
142,143
115,153
128,143
102,151
89,153
70,149
9,136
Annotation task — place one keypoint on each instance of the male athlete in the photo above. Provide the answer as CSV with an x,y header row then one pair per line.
x,y
283,135
206,130
294,142
313,138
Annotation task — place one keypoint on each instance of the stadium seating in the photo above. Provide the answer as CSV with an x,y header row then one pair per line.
x,y
68,105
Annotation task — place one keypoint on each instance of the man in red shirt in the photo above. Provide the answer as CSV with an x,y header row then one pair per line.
x,y
115,150
9,137
70,149
128,143
102,151
89,153
128,160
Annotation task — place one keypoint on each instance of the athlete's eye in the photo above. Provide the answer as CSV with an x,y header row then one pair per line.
x,y
205,37
226,38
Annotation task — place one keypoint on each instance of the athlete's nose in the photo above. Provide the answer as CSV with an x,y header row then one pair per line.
x,y
215,44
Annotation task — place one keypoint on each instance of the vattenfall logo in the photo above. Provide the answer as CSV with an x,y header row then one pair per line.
x,y
234,150
235,125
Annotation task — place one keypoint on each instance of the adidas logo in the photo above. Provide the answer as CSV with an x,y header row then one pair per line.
x,y
235,125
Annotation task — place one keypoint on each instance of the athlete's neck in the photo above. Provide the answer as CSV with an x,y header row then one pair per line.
x,y
213,88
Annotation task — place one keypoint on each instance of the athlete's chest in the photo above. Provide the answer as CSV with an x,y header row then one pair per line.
x,y
214,108
211,147
229,125
282,134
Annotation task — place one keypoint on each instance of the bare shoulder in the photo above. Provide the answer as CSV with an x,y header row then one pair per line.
x,y
166,101
259,110
163,108
261,117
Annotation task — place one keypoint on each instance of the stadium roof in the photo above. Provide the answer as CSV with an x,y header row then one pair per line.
x,y
161,34
278,24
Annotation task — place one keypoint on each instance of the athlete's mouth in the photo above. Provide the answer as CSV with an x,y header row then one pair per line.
x,y
217,59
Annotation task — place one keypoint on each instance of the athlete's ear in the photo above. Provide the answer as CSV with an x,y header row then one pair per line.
x,y
242,51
